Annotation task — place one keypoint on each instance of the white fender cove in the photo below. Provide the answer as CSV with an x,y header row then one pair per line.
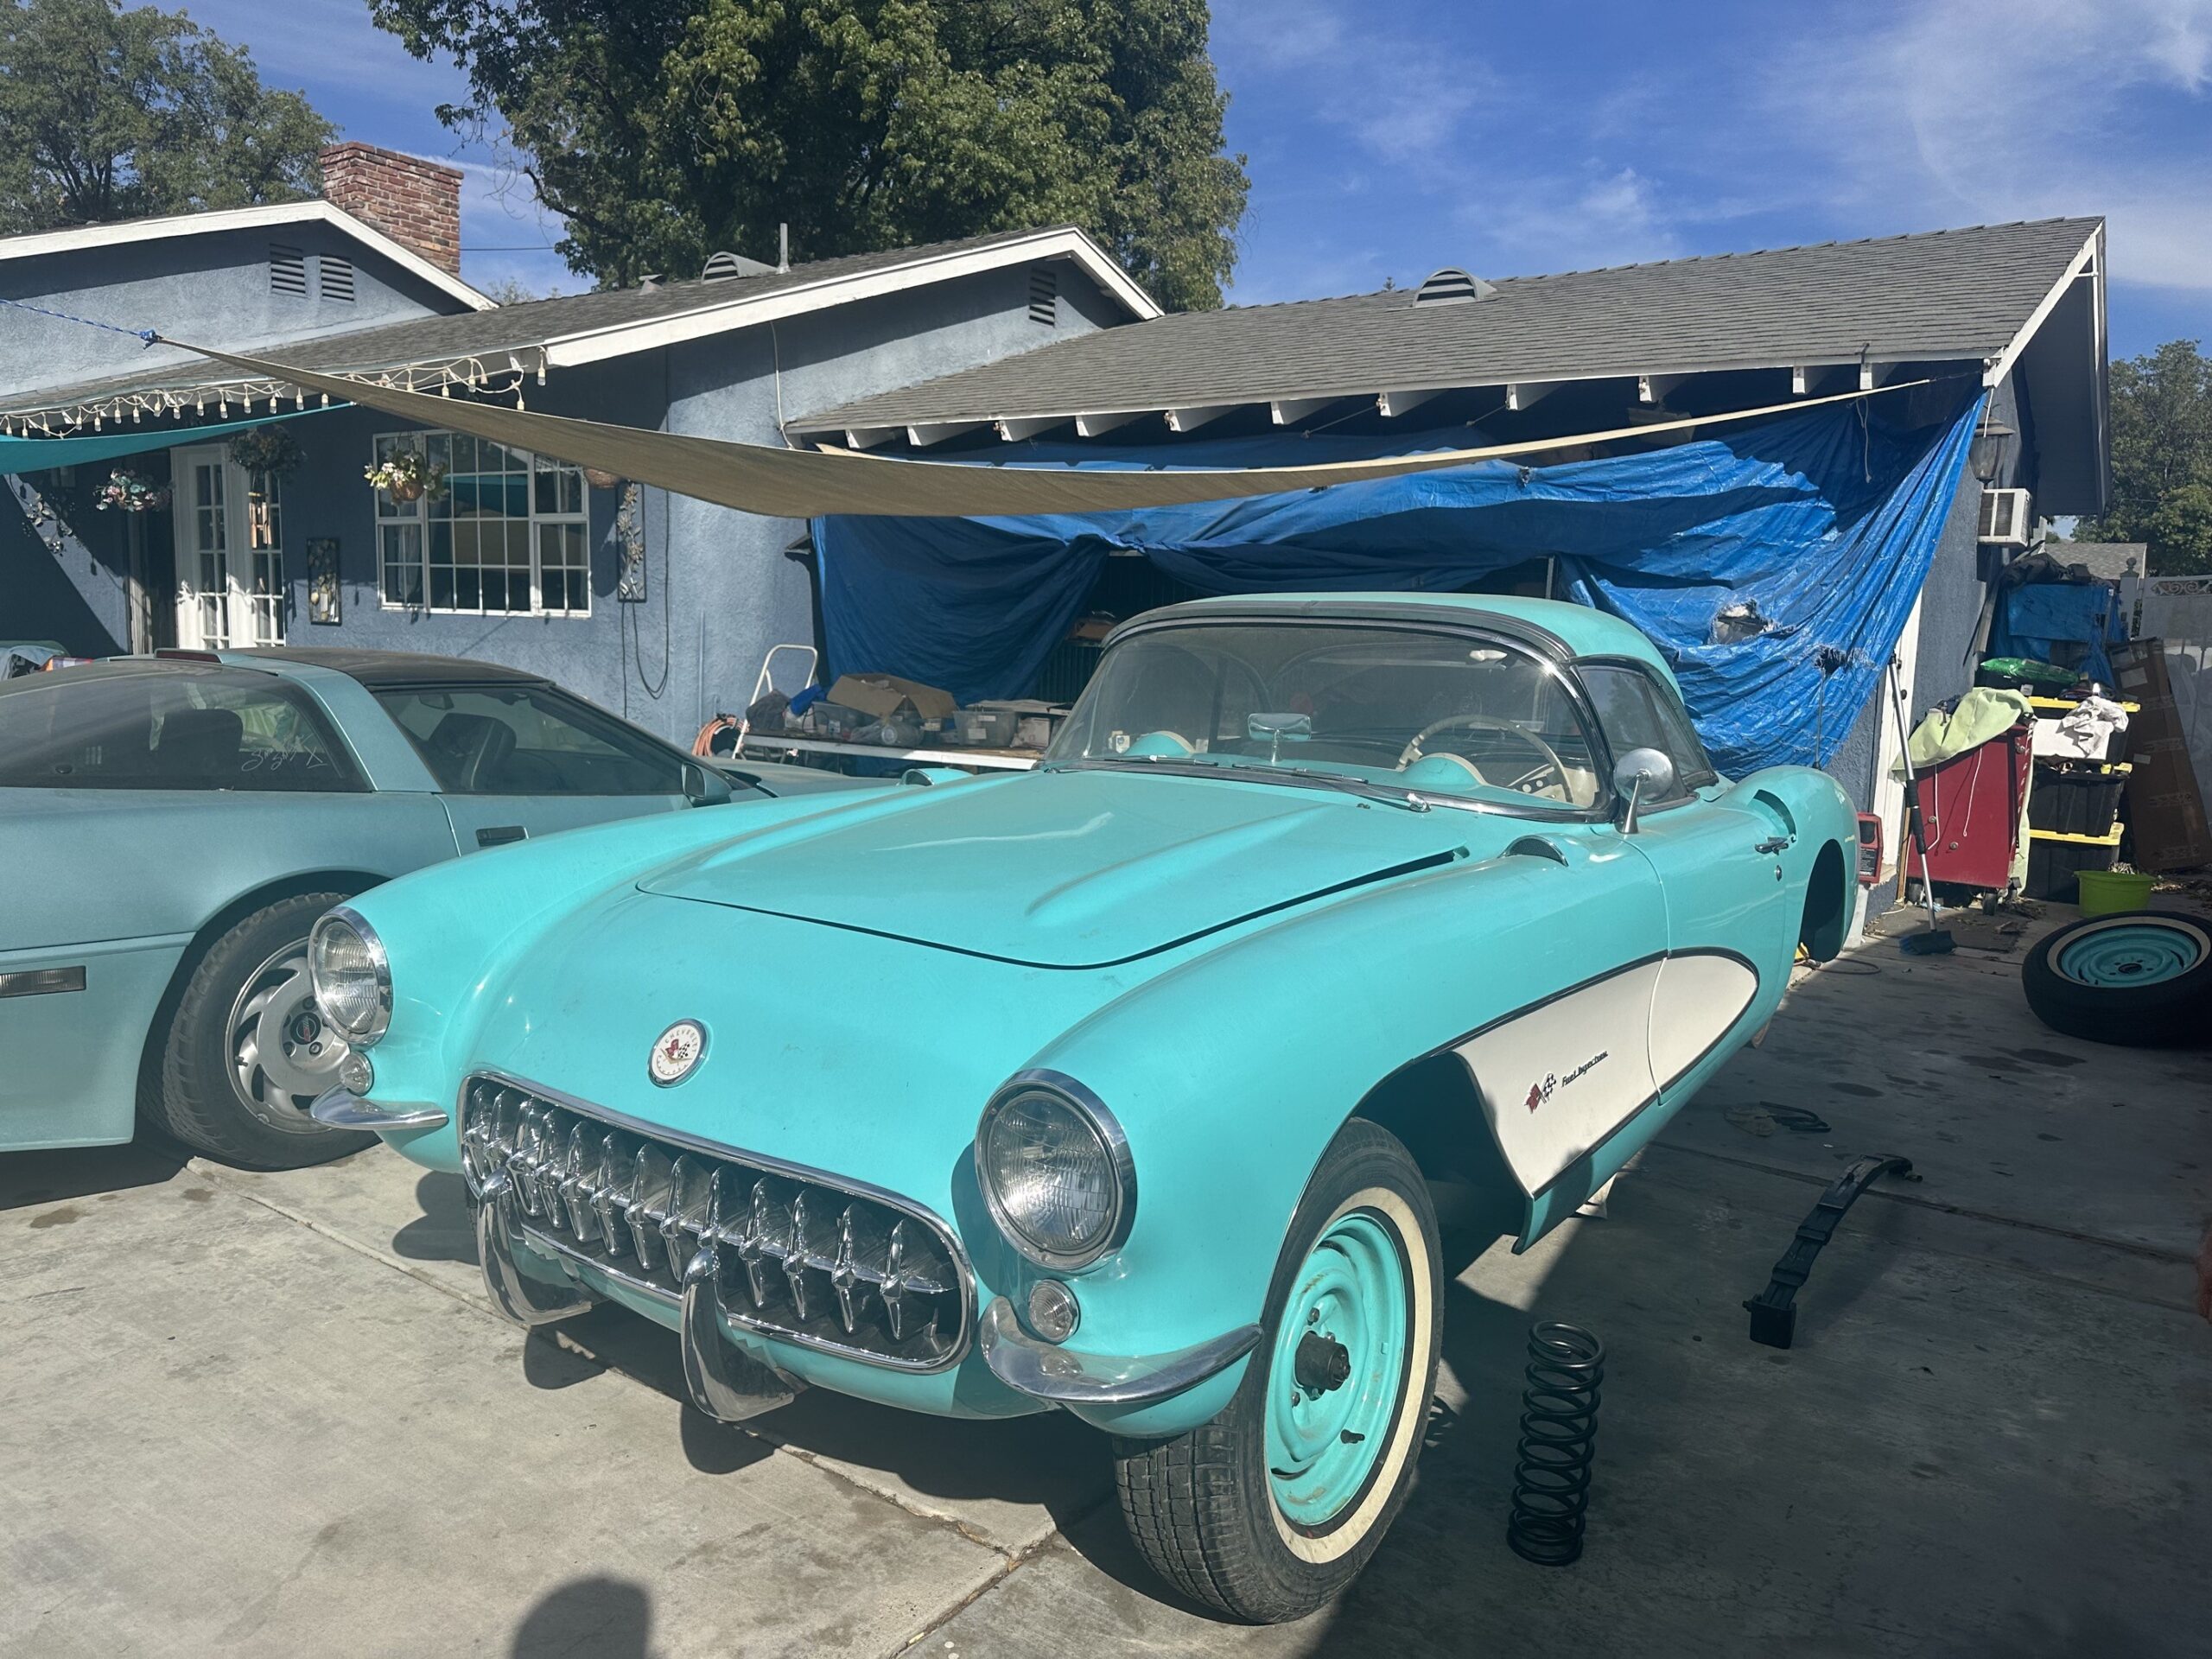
x,y
1559,1079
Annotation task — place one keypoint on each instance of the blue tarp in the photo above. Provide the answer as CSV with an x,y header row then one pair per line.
x,y
1828,521
2036,620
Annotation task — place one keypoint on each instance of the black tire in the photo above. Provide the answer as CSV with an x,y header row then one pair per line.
x,y
1201,1507
2163,1011
193,1091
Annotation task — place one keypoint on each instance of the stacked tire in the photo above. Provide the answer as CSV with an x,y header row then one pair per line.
x,y
2142,978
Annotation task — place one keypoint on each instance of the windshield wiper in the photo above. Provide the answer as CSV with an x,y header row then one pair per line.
x,y
1184,767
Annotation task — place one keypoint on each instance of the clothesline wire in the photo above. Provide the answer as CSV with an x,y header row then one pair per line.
x,y
143,336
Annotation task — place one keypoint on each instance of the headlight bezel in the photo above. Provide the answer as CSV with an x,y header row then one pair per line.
x,y
380,965
1094,1114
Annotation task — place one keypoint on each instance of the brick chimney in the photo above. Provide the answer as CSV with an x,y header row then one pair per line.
x,y
414,202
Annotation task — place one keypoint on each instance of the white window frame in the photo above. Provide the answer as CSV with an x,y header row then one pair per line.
x,y
402,517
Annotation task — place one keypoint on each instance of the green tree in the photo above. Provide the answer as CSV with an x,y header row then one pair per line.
x,y
2161,460
112,114
663,130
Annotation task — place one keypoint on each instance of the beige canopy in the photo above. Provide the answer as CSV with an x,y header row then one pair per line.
x,y
802,483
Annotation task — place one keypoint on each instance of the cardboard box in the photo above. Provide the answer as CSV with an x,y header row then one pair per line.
x,y
2165,808
886,694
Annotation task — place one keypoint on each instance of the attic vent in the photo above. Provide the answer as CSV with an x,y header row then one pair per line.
x,y
1450,286
1043,295
287,270
720,267
334,278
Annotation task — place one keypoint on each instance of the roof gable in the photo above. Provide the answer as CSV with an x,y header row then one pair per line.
x,y
269,215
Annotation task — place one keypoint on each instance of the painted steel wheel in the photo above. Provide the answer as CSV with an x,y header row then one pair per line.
x,y
2142,978
1271,1508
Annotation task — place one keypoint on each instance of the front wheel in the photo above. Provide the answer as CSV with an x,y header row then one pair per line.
x,y
247,1053
1276,1505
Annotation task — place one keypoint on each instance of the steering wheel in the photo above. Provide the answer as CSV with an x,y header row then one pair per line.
x,y
1526,783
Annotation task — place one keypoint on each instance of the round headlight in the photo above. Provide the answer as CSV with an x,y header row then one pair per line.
x,y
352,983
1055,1169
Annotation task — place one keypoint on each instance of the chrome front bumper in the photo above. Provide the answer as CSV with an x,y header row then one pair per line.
x,y
1069,1378
342,1109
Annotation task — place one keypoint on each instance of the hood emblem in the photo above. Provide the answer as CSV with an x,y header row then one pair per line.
x,y
677,1053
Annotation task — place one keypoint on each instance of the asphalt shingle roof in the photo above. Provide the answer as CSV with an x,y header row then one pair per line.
x,y
512,328
1942,296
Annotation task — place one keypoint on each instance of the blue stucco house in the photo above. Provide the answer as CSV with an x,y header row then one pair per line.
x,y
661,607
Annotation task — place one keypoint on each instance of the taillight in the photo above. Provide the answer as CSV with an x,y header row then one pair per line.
x,y
1870,849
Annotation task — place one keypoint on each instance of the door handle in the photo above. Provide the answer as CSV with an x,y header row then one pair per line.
x,y
1772,844
499,834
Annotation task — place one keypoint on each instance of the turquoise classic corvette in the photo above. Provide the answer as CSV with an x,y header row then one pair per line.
x,y
1132,1086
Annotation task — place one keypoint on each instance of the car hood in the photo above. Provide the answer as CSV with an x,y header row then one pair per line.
x,y
1068,869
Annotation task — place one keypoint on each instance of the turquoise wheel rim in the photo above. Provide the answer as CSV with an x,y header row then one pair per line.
x,y
2134,953
1325,1439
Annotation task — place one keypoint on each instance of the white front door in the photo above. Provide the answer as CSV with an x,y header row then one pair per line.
x,y
229,551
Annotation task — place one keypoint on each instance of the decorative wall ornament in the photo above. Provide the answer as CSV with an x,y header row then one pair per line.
x,y
325,601
630,546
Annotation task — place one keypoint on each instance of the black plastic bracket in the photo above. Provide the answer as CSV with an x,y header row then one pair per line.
x,y
1774,1314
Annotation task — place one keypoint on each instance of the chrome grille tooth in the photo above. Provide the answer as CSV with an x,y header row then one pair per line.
x,y
651,1200
691,1185
573,1182
530,1157
795,1253
753,1247
893,1288
827,1267
613,1162
844,1275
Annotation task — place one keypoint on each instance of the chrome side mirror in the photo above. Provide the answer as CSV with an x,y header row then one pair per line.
x,y
1637,776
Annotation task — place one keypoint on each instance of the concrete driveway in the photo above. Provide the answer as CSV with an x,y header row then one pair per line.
x,y
275,1413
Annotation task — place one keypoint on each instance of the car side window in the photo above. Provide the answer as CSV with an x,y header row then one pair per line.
x,y
528,740
202,728
1638,710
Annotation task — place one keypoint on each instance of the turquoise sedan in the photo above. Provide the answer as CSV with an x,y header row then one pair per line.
x,y
171,826
1147,1086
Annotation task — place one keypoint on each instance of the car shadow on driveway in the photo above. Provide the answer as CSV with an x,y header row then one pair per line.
x,y
32,1178
1021,1461
445,1232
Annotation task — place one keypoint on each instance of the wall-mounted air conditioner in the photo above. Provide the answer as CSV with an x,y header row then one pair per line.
x,y
2004,516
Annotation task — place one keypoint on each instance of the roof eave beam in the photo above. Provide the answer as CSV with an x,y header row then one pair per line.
x,y
870,437
1392,404
1811,379
1015,428
1100,423
931,432
1527,394
1654,388
1198,414
1871,375
1288,411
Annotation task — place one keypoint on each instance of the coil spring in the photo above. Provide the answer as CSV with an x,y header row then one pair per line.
x,y
1558,1422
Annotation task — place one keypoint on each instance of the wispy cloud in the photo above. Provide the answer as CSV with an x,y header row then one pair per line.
x,y
2022,109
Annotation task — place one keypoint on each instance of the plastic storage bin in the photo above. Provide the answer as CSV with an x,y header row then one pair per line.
x,y
2106,892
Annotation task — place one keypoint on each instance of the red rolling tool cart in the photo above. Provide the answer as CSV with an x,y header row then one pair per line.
x,y
1970,807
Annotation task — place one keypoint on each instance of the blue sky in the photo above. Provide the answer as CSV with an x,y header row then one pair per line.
x,y
1384,140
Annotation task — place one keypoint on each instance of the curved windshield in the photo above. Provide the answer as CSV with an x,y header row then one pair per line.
x,y
1433,713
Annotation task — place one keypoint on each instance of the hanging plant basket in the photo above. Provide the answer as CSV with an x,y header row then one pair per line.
x,y
600,479
407,476
129,492
266,450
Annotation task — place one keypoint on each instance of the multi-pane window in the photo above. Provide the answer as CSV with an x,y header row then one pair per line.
x,y
509,533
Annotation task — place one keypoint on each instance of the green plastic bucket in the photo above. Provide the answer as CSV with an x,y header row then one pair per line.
x,y
2106,892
